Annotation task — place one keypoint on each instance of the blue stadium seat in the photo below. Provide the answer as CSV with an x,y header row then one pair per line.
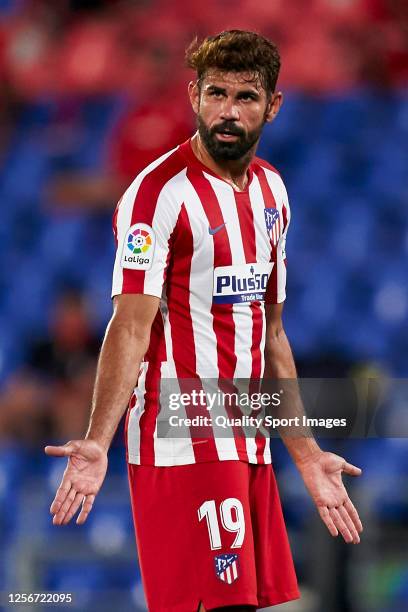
x,y
111,526
82,579
13,470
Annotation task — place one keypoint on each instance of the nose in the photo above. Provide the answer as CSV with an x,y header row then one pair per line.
x,y
229,110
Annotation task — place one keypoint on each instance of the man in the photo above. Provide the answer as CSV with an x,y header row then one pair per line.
x,y
192,230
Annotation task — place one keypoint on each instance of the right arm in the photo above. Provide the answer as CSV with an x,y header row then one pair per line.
x,y
148,211
125,343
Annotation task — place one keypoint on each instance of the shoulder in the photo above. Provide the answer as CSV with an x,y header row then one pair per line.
x,y
264,169
160,184
262,163
158,174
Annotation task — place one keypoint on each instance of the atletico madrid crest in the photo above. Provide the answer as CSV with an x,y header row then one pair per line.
x,y
273,224
226,567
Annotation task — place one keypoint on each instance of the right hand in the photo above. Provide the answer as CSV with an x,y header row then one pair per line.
x,y
81,481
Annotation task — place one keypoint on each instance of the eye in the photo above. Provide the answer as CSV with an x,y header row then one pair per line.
x,y
246,97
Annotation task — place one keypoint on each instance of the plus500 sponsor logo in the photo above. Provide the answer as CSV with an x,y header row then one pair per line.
x,y
241,284
237,284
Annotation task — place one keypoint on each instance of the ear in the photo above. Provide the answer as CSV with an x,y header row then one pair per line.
x,y
274,106
194,95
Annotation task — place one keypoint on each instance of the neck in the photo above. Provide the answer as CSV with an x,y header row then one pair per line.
x,y
232,171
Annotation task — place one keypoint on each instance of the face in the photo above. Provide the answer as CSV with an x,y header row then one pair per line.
x,y
231,111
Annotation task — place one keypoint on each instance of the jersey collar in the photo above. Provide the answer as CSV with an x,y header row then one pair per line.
x,y
187,151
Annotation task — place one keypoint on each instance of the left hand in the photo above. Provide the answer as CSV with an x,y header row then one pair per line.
x,y
321,473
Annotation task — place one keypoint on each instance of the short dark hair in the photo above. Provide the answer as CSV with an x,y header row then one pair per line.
x,y
237,51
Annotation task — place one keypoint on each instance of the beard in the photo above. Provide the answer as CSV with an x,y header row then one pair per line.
x,y
227,151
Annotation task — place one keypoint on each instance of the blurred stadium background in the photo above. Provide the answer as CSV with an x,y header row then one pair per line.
x,y
90,92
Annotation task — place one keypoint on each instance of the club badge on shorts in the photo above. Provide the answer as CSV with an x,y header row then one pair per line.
x,y
226,567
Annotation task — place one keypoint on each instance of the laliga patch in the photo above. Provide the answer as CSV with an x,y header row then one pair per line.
x,y
241,284
226,567
138,247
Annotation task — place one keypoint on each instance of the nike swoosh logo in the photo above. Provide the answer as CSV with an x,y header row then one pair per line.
x,y
214,230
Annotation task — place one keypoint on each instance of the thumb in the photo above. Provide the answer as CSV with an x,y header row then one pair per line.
x,y
60,451
351,470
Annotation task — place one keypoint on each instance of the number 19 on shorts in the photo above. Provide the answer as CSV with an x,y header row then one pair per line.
x,y
232,518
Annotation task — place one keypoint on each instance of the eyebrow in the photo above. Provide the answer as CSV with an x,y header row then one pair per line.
x,y
243,92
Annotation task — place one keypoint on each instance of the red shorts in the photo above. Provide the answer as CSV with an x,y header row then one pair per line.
x,y
211,532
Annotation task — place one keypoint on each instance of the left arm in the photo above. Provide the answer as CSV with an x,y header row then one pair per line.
x,y
321,471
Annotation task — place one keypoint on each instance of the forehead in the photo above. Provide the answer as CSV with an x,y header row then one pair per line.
x,y
232,80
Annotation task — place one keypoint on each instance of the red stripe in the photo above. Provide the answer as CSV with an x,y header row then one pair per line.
x,y
258,161
268,198
182,335
247,227
115,221
157,346
147,422
223,320
271,294
267,193
285,217
285,223
144,207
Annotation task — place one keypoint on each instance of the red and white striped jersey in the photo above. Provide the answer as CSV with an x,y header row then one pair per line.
x,y
214,257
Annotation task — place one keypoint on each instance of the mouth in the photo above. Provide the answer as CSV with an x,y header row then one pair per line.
x,y
225,135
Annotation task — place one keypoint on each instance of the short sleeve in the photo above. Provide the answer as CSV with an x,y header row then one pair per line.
x,y
143,225
276,288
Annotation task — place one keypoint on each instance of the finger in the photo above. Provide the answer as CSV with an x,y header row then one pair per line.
x,y
327,520
60,495
351,470
73,509
354,515
349,523
86,508
60,451
60,515
341,526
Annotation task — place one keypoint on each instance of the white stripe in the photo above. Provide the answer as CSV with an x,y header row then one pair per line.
x,y
279,192
263,250
242,314
172,451
228,572
234,570
124,217
133,433
165,216
205,339
267,452
263,247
